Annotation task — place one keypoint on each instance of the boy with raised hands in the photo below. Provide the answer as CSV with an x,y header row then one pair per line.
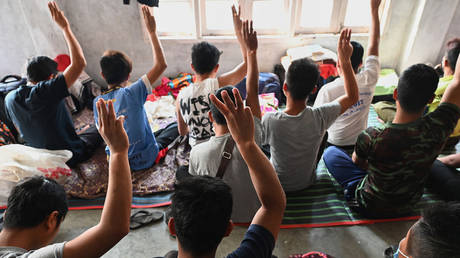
x,y
129,98
391,164
201,206
207,158
38,110
295,134
192,105
345,130
37,206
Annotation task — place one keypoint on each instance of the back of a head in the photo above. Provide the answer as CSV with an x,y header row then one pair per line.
x,y
40,68
301,78
201,208
436,235
205,57
32,201
357,55
416,87
115,66
216,114
452,55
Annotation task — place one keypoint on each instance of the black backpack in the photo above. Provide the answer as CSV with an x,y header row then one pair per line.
x,y
7,84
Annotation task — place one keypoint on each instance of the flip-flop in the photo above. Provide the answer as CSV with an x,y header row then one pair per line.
x,y
143,217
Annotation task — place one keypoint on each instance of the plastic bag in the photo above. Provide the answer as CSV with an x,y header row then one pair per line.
x,y
18,162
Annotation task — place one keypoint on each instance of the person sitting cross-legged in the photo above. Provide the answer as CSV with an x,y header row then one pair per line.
x,y
207,158
129,99
345,130
37,206
192,104
38,111
295,134
201,205
391,164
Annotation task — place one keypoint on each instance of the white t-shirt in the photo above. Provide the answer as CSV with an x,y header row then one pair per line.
x,y
50,251
205,159
194,107
350,124
295,141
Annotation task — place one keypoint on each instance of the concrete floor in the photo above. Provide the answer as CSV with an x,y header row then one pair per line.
x,y
341,242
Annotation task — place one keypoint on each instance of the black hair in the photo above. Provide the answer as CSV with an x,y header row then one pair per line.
x,y
452,56
357,55
115,66
216,114
40,68
416,87
301,78
33,200
436,234
201,208
205,57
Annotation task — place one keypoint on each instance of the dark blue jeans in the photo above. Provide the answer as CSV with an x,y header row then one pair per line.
x,y
342,168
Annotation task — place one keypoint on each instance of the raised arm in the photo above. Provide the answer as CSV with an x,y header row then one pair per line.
x,y
266,183
77,59
345,49
114,223
374,34
237,74
252,82
159,61
452,94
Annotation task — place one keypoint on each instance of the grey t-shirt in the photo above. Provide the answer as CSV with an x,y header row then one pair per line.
x,y
205,160
295,140
50,251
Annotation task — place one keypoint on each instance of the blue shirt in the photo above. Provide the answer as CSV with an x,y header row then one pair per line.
x,y
43,121
129,102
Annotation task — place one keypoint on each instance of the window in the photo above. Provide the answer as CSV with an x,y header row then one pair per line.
x,y
175,18
217,18
270,16
330,16
281,17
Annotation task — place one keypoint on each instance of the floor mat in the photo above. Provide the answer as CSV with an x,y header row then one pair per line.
x,y
323,205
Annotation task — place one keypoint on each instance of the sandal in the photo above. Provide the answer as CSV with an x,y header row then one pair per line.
x,y
143,217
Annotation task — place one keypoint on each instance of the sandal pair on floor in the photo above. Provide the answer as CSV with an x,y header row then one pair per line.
x,y
142,218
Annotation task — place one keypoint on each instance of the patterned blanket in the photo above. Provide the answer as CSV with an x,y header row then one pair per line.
x,y
89,180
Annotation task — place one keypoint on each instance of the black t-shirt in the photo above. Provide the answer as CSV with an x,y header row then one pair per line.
x,y
258,242
40,114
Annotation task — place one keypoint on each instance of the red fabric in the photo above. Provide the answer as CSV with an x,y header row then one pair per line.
x,y
161,154
63,61
327,70
172,87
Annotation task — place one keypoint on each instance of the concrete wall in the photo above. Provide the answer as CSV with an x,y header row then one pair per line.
x,y
27,30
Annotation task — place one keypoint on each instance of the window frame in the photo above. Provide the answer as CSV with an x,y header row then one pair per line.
x,y
293,9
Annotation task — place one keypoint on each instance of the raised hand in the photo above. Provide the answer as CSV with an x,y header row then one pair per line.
x,y
237,22
239,118
249,36
375,4
58,15
149,20
111,127
344,48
